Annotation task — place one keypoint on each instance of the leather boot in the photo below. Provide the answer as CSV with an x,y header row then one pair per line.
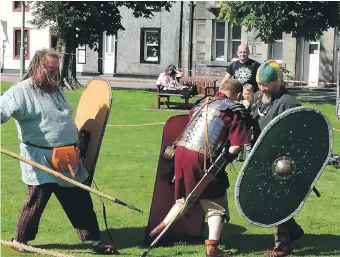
x,y
211,250
295,230
17,248
157,230
279,252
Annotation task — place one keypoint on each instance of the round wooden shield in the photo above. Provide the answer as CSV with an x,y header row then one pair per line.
x,y
283,167
92,115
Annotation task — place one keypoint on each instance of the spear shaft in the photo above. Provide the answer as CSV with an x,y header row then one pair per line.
x,y
71,181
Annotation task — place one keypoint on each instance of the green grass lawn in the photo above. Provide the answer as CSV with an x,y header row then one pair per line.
x,y
126,169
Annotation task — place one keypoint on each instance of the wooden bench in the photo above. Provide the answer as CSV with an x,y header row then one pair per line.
x,y
204,86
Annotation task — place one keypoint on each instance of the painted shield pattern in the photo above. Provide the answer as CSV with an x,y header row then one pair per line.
x,y
283,167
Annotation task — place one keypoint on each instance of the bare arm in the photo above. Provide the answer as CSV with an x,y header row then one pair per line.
x,y
226,77
160,79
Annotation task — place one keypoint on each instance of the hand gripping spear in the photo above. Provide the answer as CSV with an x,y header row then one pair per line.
x,y
217,166
58,175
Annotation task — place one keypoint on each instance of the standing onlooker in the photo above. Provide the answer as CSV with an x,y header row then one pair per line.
x,y
244,69
248,93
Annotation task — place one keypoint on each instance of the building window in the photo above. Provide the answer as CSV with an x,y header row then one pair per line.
x,y
235,41
276,50
109,44
16,6
150,45
226,41
154,9
82,54
53,40
220,40
17,43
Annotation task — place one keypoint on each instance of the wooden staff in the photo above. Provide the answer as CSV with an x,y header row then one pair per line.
x,y
71,181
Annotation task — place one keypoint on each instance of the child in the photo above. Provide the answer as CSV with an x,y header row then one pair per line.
x,y
248,93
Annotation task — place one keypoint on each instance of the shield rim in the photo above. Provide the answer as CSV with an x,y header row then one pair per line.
x,y
91,172
258,141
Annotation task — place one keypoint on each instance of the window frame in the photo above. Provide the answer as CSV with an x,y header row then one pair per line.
x,y
271,48
231,40
81,49
18,9
51,39
109,42
154,9
220,40
228,40
17,56
143,45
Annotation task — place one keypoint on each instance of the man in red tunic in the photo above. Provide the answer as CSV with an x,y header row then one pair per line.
x,y
223,123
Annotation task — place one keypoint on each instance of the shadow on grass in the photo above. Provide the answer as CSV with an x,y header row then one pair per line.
x,y
317,100
232,236
315,97
310,244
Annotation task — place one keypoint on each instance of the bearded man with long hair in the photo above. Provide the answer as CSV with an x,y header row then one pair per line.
x,y
44,123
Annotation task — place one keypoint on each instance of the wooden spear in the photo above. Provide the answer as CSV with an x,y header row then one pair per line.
x,y
71,181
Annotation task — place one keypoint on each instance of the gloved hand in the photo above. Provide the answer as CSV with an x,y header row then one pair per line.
x,y
227,155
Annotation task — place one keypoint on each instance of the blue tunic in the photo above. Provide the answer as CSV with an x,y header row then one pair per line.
x,y
41,119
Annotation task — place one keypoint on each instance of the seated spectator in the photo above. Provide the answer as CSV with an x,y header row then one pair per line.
x,y
169,81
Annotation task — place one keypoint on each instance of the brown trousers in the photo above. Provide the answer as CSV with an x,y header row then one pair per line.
x,y
76,202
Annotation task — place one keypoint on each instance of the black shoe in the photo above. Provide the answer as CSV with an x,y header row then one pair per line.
x,y
17,248
104,249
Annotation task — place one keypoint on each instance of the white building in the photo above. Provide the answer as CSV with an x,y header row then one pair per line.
x,y
148,46
10,40
10,36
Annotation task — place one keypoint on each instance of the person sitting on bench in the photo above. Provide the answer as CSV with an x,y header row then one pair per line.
x,y
168,82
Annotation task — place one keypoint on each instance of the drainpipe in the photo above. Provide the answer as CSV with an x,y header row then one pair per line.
x,y
335,54
100,54
180,37
115,53
302,59
22,46
191,29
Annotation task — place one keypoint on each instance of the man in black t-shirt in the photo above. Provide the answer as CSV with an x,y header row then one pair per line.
x,y
243,70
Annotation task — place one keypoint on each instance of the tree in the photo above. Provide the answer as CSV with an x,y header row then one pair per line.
x,y
272,18
77,23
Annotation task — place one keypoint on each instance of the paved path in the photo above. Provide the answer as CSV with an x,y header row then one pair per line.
x,y
116,82
319,94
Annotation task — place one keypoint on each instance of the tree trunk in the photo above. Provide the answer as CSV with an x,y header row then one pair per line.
x,y
68,62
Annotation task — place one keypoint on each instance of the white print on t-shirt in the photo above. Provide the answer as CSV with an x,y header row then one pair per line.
x,y
243,74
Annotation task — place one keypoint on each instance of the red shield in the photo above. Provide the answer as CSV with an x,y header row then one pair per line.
x,y
189,227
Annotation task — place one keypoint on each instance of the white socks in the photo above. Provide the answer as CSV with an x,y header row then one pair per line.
x,y
172,213
215,224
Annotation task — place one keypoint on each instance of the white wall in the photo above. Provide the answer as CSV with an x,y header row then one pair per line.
x,y
37,38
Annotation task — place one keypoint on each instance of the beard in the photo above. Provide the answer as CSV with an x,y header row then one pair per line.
x,y
51,82
266,98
